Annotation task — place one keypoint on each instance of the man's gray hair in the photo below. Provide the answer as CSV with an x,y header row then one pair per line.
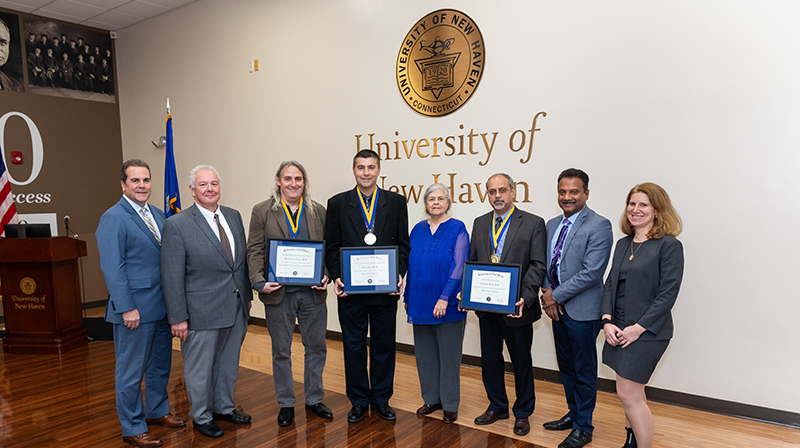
x,y
193,173
437,187
511,182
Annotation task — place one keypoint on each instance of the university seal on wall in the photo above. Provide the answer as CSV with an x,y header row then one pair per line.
x,y
440,62
27,285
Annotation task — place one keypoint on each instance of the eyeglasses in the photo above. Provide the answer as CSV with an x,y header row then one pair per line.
x,y
494,192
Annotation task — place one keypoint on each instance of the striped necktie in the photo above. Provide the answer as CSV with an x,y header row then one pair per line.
x,y
552,273
149,225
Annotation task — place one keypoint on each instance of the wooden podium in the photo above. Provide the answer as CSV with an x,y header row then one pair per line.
x,y
42,294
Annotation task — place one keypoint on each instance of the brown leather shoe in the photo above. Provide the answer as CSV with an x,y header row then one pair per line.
x,y
489,417
169,420
450,417
521,426
428,408
144,439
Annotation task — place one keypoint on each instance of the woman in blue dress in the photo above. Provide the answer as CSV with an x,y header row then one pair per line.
x,y
439,248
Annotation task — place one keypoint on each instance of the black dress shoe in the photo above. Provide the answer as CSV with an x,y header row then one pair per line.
x,y
320,410
236,417
489,417
356,414
450,417
426,408
521,426
561,424
285,416
385,411
630,439
576,439
210,429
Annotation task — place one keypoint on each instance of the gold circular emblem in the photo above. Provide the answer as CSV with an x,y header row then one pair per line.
x,y
27,285
440,62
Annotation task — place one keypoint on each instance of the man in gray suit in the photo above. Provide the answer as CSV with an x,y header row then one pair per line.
x,y
579,248
205,280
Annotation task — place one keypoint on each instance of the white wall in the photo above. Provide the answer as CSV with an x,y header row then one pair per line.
x,y
698,96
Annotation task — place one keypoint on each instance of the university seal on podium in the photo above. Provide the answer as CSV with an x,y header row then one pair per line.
x,y
440,62
27,285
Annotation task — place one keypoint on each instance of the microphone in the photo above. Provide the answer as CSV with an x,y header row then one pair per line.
x,y
66,227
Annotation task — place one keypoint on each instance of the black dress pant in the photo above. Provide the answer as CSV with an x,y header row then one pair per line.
x,y
377,385
518,340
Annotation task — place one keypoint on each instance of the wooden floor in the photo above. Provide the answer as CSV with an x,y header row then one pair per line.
x,y
68,401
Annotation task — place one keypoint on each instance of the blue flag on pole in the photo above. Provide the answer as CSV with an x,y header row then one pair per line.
x,y
172,195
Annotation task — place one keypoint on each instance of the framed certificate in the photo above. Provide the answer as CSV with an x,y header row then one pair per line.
x,y
369,270
490,287
295,262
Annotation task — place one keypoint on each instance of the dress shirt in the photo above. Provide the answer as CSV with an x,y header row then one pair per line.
x,y
209,215
572,220
502,239
147,211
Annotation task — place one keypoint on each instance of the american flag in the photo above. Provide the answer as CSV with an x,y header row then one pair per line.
x,y
8,211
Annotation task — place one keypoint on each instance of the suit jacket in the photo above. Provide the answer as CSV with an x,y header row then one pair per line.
x,y
130,260
525,245
10,84
344,227
651,286
583,262
266,224
200,284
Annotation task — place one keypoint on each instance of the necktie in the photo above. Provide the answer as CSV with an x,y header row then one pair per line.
x,y
223,238
553,271
150,226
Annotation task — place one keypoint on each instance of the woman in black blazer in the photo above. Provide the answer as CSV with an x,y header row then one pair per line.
x,y
639,293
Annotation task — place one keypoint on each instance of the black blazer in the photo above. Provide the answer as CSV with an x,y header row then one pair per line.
x,y
344,227
651,286
525,244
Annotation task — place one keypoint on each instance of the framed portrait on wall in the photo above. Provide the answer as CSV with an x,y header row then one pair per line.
x,y
70,61
11,69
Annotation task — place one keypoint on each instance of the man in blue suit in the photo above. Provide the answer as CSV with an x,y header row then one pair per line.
x,y
579,248
129,242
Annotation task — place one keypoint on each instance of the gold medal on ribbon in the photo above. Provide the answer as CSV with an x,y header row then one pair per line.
x,y
368,212
495,258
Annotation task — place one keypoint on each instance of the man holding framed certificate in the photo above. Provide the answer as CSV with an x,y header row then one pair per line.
x,y
279,250
509,236
367,217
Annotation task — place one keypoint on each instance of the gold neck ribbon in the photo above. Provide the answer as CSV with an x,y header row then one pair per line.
x,y
368,211
294,226
496,233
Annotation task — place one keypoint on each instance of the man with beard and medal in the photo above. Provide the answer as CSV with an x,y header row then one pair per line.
x,y
509,235
291,213
367,216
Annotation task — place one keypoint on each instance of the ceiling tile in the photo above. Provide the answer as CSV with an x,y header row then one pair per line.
x,y
168,3
26,4
141,9
118,19
72,8
16,6
58,15
101,25
105,4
